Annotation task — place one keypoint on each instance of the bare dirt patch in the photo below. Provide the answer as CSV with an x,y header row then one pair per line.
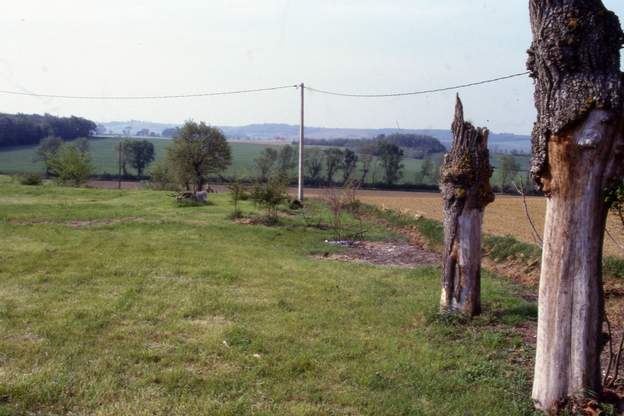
x,y
109,221
399,253
80,223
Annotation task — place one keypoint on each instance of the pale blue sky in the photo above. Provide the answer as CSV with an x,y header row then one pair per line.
x,y
124,47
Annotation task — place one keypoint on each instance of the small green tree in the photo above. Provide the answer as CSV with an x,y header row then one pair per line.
x,y
509,169
238,192
197,151
390,156
140,153
313,164
270,195
427,168
265,162
349,164
333,162
286,161
70,165
46,150
367,161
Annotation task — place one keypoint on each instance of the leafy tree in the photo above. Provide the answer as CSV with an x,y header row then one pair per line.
x,y
140,153
265,162
197,151
286,160
427,168
26,129
390,156
348,164
509,169
313,165
333,162
367,160
124,159
419,145
48,147
70,165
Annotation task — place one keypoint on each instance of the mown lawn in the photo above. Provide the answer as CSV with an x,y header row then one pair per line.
x,y
121,303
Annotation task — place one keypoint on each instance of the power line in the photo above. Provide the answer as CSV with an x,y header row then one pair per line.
x,y
211,94
144,97
401,94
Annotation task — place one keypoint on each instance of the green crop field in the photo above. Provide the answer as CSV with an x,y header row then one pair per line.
x,y
104,156
120,303
20,160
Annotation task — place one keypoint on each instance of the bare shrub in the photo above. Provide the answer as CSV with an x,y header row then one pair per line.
x,y
340,202
238,192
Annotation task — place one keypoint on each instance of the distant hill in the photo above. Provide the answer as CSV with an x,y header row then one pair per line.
x,y
133,126
269,131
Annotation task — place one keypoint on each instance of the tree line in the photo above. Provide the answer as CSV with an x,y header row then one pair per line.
x,y
417,146
333,165
29,129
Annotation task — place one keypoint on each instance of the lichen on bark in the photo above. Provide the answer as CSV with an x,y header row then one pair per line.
x,y
575,62
465,188
466,170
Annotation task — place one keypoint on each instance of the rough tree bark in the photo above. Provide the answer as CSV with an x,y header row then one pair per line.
x,y
465,186
578,146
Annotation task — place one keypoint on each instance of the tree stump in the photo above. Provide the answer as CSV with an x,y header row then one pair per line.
x,y
578,148
465,187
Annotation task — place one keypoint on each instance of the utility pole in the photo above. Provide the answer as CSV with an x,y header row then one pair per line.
x,y
301,136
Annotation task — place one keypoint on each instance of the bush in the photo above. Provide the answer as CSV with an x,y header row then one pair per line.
x,y
30,179
341,202
161,177
70,165
270,196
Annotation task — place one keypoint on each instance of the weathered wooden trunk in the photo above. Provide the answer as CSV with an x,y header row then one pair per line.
x,y
578,147
465,187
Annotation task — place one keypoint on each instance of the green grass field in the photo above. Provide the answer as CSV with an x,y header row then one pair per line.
x,y
20,160
104,156
120,303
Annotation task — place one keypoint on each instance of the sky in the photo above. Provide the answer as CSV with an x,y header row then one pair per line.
x,y
165,47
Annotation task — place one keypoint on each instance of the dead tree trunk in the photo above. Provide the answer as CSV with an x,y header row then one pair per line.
x,y
578,146
465,186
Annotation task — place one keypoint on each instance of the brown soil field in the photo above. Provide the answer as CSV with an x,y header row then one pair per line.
x,y
505,216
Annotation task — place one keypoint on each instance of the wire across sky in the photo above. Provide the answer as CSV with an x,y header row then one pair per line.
x,y
259,90
430,91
